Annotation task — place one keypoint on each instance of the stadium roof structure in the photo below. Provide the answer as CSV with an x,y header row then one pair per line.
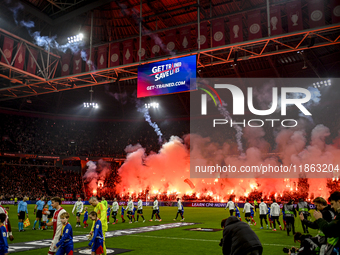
x,y
310,52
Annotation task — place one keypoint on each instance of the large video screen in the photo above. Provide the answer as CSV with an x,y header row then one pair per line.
x,y
166,77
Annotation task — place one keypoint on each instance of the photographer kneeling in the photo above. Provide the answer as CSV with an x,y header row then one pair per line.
x,y
308,245
239,238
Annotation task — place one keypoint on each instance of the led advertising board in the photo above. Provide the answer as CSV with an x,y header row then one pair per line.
x,y
167,77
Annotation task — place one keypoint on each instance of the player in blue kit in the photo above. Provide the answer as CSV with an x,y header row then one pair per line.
x,y
66,242
237,212
51,209
182,213
270,218
97,240
108,214
284,219
39,206
3,235
86,216
22,209
133,214
122,214
252,216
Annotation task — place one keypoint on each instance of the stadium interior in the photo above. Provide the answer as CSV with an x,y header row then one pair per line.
x,y
73,124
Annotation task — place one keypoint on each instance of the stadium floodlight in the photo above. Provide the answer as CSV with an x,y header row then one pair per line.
x,y
152,105
324,83
76,38
92,105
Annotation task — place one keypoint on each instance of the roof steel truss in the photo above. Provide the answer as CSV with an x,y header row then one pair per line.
x,y
24,84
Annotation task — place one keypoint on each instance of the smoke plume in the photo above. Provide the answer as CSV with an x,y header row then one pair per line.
x,y
167,170
45,42
96,174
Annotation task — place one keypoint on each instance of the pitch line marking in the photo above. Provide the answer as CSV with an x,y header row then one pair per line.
x,y
193,239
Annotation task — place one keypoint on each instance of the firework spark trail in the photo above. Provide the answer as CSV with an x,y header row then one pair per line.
x,y
42,41
147,117
222,108
314,101
225,113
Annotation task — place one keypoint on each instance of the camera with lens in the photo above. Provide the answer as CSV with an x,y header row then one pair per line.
x,y
286,250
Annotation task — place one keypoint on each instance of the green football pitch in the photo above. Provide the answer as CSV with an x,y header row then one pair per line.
x,y
167,241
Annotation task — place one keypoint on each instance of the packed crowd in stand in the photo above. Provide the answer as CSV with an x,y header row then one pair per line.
x,y
21,181
21,134
23,161
35,182
23,178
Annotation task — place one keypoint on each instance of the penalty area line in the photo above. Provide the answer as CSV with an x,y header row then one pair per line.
x,y
193,239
